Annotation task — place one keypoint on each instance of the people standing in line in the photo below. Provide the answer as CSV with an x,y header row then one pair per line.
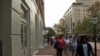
x,y
59,45
84,48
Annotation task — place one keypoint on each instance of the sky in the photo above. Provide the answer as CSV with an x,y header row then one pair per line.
x,y
54,10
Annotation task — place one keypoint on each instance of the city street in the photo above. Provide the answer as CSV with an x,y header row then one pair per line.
x,y
49,27
50,51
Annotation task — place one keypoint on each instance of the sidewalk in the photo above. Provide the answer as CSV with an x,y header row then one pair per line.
x,y
49,51
98,47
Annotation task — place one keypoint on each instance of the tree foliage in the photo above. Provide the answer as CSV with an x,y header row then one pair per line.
x,y
95,11
60,29
51,32
86,26
77,28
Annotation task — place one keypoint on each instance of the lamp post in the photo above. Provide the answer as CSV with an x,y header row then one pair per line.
x,y
94,21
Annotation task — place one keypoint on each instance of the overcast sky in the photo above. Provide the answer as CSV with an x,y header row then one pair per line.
x,y
54,10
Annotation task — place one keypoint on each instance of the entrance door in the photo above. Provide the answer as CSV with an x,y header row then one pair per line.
x,y
0,48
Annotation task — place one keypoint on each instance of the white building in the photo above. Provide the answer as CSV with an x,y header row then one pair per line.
x,y
21,27
75,13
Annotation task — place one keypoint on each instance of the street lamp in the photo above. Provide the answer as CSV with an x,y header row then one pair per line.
x,y
94,21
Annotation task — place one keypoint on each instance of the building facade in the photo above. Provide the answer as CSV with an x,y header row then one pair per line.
x,y
21,26
76,13
68,21
61,22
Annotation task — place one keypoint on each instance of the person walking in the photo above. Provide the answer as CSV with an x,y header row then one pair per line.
x,y
56,46
84,48
51,41
59,45
66,46
74,46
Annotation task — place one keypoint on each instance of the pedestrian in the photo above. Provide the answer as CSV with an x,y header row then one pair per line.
x,y
45,41
56,45
66,46
51,41
74,46
78,40
84,48
71,44
48,40
59,45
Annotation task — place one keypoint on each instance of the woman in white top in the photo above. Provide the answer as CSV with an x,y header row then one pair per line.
x,y
66,46
84,48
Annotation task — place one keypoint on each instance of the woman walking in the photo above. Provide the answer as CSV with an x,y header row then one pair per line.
x,y
84,48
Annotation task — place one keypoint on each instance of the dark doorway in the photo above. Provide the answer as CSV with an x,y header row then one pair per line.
x,y
0,48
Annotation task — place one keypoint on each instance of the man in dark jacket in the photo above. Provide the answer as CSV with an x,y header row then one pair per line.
x,y
84,49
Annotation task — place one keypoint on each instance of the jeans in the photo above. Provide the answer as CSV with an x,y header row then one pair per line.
x,y
59,52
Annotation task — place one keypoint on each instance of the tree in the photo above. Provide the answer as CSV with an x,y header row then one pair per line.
x,y
84,27
94,10
60,29
78,28
50,32
87,26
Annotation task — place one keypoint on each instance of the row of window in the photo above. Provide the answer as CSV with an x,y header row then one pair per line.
x,y
24,25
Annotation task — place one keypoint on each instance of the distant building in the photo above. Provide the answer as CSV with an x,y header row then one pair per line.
x,y
61,22
60,26
76,13
21,25
40,4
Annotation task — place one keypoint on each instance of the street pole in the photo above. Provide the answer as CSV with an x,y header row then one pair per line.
x,y
95,45
71,35
94,20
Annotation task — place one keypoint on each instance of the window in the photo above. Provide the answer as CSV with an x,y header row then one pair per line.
x,y
73,24
23,35
24,12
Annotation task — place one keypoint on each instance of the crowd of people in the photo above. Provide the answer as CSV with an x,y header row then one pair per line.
x,y
77,46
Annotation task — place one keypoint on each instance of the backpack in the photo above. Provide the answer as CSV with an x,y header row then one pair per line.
x,y
61,43
56,45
